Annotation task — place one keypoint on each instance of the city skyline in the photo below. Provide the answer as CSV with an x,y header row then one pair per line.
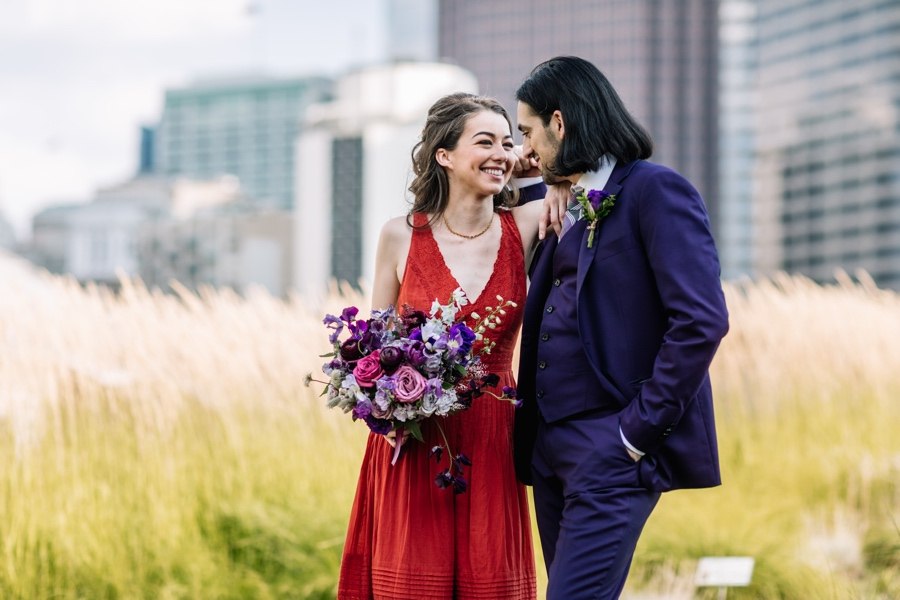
x,y
78,82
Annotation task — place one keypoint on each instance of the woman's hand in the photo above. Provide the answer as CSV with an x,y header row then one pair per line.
x,y
394,437
556,202
524,166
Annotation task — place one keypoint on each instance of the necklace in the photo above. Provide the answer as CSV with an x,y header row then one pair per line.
x,y
463,235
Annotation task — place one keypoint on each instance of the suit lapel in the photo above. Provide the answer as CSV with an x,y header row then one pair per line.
x,y
585,254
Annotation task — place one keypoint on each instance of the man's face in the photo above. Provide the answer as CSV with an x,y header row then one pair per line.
x,y
540,141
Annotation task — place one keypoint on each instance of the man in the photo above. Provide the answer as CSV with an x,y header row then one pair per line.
x,y
623,317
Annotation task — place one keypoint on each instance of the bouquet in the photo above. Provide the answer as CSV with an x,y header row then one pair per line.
x,y
395,370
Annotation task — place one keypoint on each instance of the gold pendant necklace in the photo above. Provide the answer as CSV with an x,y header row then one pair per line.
x,y
468,237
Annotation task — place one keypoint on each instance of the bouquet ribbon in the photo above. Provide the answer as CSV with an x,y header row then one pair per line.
x,y
398,443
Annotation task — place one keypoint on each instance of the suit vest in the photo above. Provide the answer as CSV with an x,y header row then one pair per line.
x,y
565,382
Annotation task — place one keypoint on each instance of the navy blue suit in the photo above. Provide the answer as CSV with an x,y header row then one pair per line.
x,y
618,336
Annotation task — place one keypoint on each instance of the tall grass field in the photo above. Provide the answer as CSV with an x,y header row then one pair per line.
x,y
165,447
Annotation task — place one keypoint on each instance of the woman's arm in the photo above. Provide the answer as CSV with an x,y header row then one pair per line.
x,y
532,218
390,259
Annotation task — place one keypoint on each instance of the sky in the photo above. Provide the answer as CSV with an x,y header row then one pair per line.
x,y
78,79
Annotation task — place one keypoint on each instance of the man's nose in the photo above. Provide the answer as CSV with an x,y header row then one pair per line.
x,y
526,148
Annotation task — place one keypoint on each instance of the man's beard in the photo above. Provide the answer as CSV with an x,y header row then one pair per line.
x,y
548,168
550,176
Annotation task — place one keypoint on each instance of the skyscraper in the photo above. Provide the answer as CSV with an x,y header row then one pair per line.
x,y
737,93
829,138
411,30
660,55
245,128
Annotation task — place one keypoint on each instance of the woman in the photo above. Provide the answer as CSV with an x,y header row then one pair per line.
x,y
407,538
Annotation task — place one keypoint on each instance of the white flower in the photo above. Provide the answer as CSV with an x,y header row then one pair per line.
x,y
459,297
432,329
349,381
446,402
429,405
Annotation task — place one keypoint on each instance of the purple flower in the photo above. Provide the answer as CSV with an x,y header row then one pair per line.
x,y
350,350
437,452
440,344
460,461
508,391
596,198
462,337
410,385
444,479
379,426
415,353
490,380
349,314
391,357
335,325
435,386
362,409
413,319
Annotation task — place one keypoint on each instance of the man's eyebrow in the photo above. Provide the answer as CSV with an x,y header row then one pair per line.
x,y
522,128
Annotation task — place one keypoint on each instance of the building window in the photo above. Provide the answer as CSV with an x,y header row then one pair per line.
x,y
346,224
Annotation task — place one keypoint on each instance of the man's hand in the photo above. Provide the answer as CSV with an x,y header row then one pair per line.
x,y
555,204
524,166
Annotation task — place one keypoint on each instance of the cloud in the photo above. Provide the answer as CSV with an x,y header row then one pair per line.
x,y
114,20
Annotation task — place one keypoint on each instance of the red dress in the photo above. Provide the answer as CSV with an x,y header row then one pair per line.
x,y
408,539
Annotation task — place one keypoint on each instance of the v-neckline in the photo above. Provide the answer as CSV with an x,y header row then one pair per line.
x,y
490,279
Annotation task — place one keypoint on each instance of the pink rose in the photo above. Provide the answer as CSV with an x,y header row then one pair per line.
x,y
410,385
368,370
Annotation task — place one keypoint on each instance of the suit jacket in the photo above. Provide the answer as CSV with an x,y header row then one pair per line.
x,y
651,314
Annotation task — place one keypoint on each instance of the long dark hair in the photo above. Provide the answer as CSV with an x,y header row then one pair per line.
x,y
443,127
596,121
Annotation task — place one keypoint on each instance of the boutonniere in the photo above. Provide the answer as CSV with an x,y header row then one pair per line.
x,y
596,204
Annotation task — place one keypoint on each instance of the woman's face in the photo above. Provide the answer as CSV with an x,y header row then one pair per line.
x,y
483,158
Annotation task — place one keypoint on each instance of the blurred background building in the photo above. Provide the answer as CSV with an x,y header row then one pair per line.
x,y
660,55
214,235
412,30
785,115
737,98
828,138
242,127
356,165
7,235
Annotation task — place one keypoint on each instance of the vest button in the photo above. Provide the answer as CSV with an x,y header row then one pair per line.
x,y
542,364
545,337
556,282
540,394
549,309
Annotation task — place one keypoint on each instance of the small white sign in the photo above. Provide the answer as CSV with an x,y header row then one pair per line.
x,y
724,571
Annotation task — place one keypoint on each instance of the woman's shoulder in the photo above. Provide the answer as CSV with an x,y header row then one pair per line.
x,y
396,234
398,227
